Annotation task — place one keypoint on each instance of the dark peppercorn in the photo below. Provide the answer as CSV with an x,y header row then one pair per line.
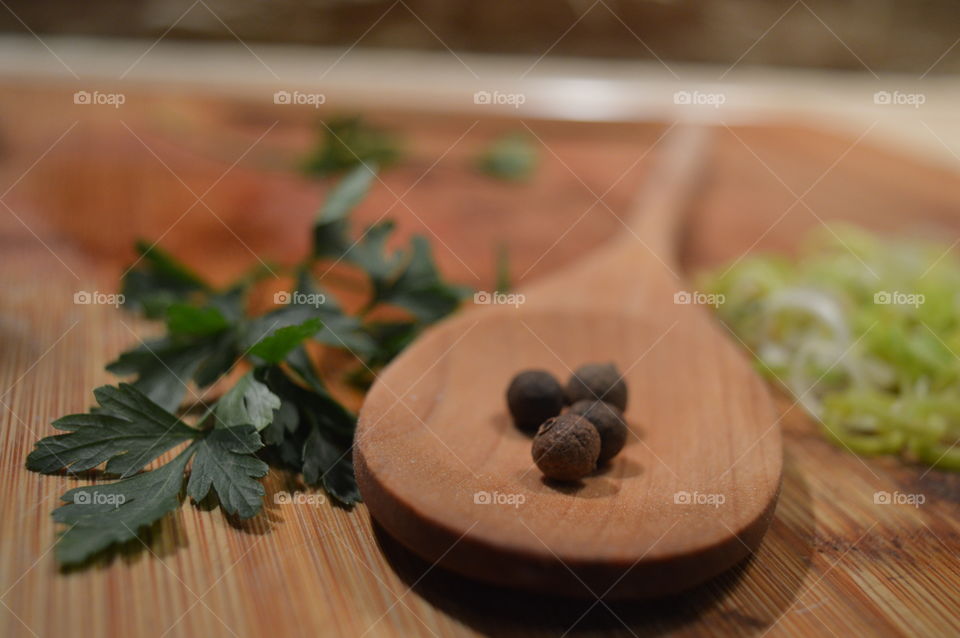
x,y
608,420
597,382
566,447
533,397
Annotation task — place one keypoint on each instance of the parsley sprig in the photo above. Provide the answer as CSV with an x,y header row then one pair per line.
x,y
279,412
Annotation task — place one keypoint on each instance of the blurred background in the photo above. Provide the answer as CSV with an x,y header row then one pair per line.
x,y
218,81
510,118
886,35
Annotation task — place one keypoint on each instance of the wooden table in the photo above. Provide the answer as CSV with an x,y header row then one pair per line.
x,y
216,180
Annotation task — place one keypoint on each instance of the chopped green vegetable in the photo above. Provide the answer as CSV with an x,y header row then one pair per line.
x,y
864,332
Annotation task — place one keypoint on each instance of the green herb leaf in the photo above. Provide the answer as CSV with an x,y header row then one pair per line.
x,y
224,461
274,347
370,253
348,141
512,158
249,402
283,402
328,463
331,237
184,319
391,337
315,405
339,330
319,443
129,432
164,366
419,287
348,193
162,369
100,515
285,422
157,280
220,354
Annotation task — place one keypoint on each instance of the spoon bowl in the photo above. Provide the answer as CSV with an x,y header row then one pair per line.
x,y
443,469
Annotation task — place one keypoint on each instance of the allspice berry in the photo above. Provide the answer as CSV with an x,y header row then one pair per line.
x,y
597,382
533,397
566,447
608,420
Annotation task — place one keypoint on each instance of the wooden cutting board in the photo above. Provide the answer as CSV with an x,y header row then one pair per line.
x,y
83,183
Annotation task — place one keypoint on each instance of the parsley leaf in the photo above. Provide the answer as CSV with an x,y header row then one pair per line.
x,y
224,461
391,337
157,280
128,432
281,411
348,141
164,366
249,402
419,288
193,321
330,462
319,441
202,344
100,515
331,237
338,330
276,345
511,158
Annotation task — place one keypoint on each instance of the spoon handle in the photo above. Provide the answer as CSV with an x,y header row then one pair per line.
x,y
665,197
639,267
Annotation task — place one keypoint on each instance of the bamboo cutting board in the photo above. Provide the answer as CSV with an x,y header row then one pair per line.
x,y
81,184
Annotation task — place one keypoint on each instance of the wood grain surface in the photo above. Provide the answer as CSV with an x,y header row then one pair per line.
x,y
79,183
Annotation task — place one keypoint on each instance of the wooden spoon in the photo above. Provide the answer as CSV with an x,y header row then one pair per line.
x,y
443,470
